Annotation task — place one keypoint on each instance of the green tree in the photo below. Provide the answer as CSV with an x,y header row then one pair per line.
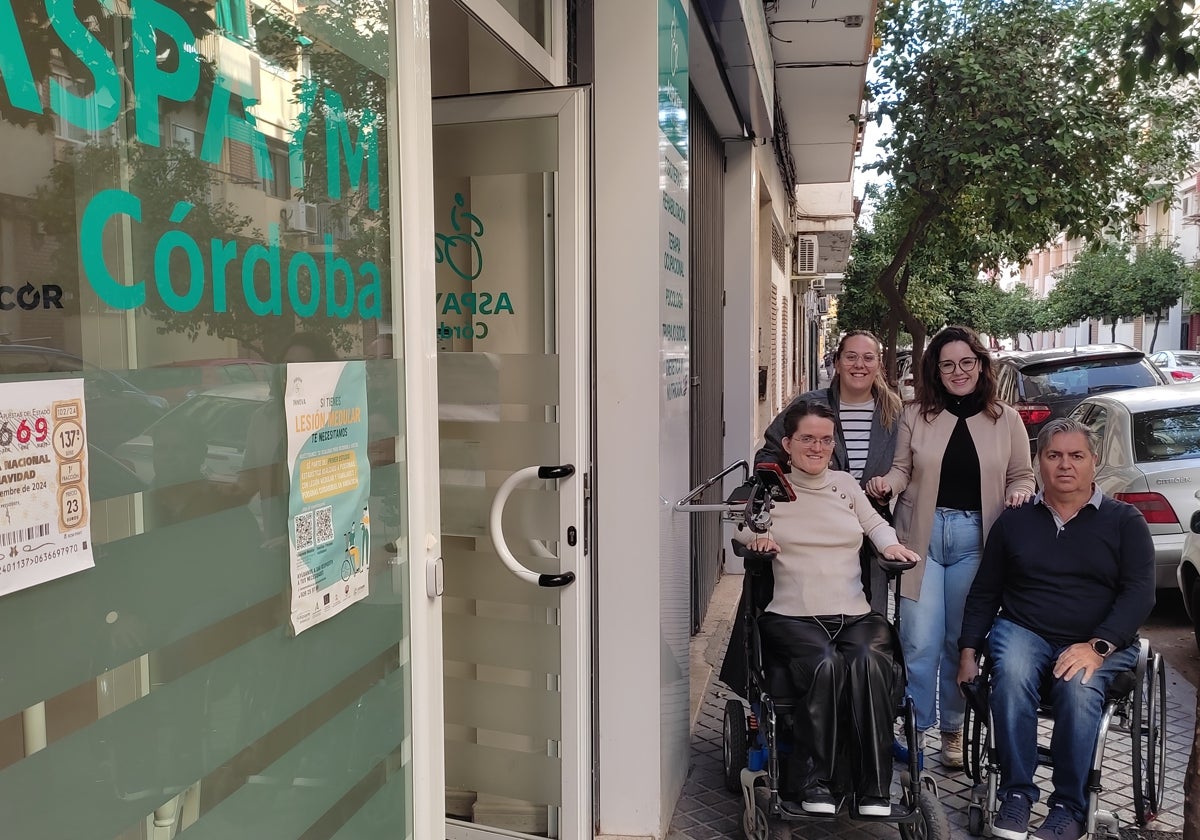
x,y
1158,279
1094,285
1008,126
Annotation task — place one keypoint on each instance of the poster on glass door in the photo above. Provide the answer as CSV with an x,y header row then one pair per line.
x,y
330,525
44,505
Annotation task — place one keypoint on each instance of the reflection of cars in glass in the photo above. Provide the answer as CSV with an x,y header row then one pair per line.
x,y
1178,365
1044,384
223,413
177,381
1150,458
116,409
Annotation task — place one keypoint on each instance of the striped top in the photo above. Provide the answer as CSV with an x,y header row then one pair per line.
x,y
856,430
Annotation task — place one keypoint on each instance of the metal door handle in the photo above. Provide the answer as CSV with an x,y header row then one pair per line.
x,y
497,515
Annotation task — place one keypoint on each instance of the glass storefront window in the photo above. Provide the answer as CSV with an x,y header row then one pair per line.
x,y
194,198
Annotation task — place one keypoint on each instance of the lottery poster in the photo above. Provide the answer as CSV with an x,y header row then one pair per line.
x,y
45,530
329,523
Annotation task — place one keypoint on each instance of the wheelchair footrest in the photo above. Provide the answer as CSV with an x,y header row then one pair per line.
x,y
792,809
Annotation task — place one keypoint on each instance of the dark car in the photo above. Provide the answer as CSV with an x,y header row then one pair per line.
x,y
1044,384
116,409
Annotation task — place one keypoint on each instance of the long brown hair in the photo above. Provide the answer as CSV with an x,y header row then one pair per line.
x,y
887,401
932,394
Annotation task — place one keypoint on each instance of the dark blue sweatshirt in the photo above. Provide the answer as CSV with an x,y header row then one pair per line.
x,y
1092,579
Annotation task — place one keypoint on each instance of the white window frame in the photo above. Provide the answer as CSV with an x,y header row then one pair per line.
x,y
550,64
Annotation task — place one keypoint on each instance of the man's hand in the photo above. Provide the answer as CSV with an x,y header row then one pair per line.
x,y
763,545
968,665
1076,658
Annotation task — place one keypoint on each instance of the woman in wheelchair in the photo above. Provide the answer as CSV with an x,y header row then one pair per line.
x,y
839,653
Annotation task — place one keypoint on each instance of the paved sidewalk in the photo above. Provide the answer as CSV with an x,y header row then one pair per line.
x,y
706,810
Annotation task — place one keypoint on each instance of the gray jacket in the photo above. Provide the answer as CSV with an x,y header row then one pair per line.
x,y
880,451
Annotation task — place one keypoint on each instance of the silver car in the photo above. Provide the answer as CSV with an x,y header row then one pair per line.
x,y
1150,458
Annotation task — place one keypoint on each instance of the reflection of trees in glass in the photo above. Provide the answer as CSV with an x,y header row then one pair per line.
x,y
346,49
161,178
48,55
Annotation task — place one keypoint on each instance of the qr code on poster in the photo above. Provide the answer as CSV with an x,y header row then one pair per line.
x,y
324,525
303,527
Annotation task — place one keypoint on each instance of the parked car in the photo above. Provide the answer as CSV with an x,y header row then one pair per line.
x,y
177,381
1179,365
1044,384
1150,458
116,409
905,374
223,413
1188,574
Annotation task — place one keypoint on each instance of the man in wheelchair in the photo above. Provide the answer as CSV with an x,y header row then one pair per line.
x,y
1064,583
838,653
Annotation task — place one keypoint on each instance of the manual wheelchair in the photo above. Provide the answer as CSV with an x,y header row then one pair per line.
x,y
1136,699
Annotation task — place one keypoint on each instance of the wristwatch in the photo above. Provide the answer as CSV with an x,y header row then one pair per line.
x,y
1102,647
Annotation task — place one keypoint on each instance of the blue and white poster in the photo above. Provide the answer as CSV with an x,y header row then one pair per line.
x,y
330,523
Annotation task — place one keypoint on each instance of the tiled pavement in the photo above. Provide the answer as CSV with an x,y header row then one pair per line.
x,y
706,810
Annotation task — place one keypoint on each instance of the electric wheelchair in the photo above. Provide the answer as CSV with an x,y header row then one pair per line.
x,y
757,735
1135,704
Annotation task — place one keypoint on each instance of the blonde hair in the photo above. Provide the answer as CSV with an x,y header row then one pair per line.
x,y
887,401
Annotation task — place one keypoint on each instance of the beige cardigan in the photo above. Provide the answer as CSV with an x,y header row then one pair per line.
x,y
1004,468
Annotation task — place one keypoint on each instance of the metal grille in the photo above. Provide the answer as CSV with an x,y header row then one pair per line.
x,y
707,257
778,252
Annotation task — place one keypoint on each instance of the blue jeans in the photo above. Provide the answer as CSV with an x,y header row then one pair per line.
x,y
1020,661
930,626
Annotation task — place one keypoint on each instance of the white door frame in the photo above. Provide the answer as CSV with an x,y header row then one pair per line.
x,y
573,267
550,63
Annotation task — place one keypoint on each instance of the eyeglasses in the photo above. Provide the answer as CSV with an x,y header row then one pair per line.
x,y
965,365
865,358
809,440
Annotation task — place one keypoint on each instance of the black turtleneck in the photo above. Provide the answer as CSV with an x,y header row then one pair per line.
x,y
959,485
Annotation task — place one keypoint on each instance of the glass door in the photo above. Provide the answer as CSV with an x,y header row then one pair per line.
x,y
512,321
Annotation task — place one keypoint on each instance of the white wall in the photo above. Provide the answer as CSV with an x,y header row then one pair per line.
x,y
642,746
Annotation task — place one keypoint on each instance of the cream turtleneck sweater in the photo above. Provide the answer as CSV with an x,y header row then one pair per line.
x,y
817,571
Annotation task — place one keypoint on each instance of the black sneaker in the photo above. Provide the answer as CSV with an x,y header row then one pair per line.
x,y
874,806
1060,824
818,800
1012,817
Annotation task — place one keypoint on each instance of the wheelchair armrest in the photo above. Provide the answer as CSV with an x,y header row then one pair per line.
x,y
893,567
754,561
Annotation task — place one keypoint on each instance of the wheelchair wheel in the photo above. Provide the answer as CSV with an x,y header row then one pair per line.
x,y
733,744
932,822
759,825
975,820
1146,729
975,736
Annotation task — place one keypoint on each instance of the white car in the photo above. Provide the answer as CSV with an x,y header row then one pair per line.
x,y
1179,365
1150,458
1188,574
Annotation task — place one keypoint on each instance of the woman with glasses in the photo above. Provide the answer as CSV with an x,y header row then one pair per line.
x,y
866,420
838,651
961,456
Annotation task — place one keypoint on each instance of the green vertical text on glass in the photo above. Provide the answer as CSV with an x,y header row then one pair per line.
x,y
446,244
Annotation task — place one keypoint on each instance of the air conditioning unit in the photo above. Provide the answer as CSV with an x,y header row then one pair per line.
x,y
300,217
823,305
817,284
806,255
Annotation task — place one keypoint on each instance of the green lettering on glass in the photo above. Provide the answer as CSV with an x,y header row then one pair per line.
x,y
98,110
103,206
222,124
14,64
447,243
337,140
152,83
